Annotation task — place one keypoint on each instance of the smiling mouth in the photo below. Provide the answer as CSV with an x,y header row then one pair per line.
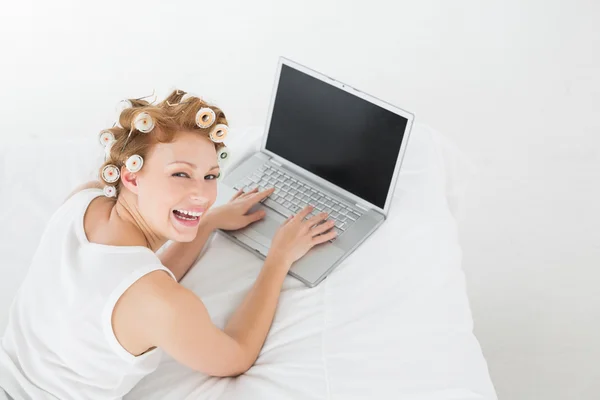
x,y
187,215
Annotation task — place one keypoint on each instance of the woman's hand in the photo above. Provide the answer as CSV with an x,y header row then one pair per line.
x,y
232,216
296,236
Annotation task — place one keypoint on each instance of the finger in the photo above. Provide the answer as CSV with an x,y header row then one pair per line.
x,y
256,197
324,237
249,192
255,216
288,219
316,219
237,194
304,212
325,226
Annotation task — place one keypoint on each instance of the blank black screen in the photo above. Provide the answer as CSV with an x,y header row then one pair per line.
x,y
340,137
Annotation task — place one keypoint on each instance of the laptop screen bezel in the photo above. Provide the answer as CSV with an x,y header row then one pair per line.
x,y
340,85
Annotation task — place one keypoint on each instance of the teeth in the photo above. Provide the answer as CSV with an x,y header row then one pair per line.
x,y
190,213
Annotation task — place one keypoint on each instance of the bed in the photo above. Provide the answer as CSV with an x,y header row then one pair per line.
x,y
391,322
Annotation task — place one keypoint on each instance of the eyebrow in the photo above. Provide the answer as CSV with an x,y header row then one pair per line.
x,y
192,165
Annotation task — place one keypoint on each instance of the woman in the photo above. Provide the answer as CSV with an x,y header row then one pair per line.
x,y
98,302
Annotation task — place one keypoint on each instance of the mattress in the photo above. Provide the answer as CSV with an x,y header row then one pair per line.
x,y
392,321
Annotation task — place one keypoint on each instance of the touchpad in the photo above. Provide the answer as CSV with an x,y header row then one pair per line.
x,y
268,225
263,230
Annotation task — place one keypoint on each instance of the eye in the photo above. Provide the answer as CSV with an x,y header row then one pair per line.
x,y
212,176
180,175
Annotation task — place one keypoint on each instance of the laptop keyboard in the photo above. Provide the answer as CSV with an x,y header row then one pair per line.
x,y
291,195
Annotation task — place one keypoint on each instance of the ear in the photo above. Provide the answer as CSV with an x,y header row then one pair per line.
x,y
129,180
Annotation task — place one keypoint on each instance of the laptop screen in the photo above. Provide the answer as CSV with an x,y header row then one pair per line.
x,y
340,137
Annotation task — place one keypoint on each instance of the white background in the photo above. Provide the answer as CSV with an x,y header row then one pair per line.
x,y
515,84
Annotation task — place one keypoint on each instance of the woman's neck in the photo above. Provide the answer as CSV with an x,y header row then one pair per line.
x,y
126,210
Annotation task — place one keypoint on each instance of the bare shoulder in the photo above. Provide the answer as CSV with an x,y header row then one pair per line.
x,y
156,311
144,307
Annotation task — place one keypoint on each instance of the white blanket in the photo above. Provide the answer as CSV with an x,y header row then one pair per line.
x,y
392,321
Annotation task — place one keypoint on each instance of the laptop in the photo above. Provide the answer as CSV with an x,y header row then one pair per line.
x,y
329,145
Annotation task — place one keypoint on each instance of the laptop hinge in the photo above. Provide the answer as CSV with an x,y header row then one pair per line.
x,y
275,162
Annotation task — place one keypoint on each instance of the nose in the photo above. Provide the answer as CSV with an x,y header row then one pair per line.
x,y
197,195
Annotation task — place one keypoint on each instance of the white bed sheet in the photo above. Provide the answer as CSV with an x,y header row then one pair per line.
x,y
392,321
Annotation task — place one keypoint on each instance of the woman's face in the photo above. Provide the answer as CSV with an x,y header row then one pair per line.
x,y
177,185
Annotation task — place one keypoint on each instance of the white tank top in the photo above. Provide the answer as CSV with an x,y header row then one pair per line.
x,y
59,342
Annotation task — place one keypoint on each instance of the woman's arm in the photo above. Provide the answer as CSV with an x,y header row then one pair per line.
x,y
179,257
157,311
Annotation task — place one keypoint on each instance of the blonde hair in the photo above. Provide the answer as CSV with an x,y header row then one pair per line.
x,y
175,113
